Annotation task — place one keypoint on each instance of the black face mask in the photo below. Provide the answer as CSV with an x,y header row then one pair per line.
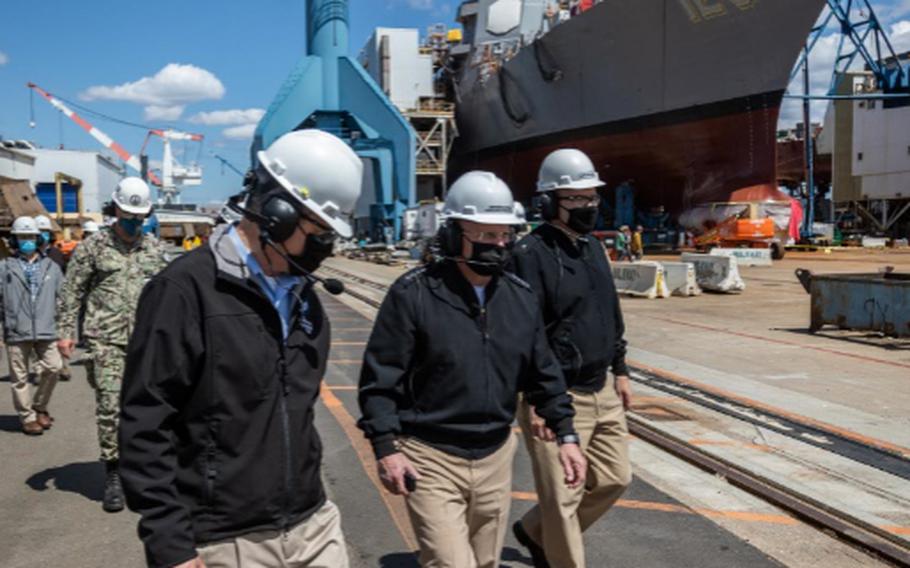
x,y
489,259
583,219
317,249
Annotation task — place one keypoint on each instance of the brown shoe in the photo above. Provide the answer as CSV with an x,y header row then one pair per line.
x,y
32,429
44,420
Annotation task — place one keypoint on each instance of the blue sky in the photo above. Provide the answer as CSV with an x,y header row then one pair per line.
x,y
248,47
149,62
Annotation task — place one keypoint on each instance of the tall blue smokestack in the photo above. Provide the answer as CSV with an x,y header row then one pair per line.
x,y
327,37
329,90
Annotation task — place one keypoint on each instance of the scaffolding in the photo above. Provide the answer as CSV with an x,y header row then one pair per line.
x,y
434,122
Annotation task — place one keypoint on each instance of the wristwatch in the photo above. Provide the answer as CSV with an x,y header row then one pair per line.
x,y
568,439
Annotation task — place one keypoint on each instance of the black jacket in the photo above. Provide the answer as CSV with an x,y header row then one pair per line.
x,y
447,371
581,309
216,433
56,255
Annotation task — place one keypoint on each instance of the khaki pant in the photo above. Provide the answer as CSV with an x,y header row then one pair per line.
x,y
315,543
562,514
49,365
460,510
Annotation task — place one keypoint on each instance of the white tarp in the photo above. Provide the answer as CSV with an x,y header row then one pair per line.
x,y
746,256
716,273
640,279
680,278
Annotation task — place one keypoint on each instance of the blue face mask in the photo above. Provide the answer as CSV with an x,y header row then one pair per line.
x,y
45,237
131,227
28,248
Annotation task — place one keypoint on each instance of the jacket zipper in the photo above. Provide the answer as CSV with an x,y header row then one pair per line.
x,y
286,437
486,357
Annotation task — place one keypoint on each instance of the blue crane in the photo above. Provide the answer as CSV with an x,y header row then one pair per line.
x,y
224,162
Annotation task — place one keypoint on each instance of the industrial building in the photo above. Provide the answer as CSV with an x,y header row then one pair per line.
x,y
869,140
87,178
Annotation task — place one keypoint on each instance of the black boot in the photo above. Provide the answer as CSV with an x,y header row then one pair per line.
x,y
538,558
113,491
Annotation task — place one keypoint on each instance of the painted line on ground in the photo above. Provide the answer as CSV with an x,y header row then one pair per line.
x,y
395,505
769,518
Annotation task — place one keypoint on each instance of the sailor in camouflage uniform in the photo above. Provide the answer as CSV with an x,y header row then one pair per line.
x,y
106,275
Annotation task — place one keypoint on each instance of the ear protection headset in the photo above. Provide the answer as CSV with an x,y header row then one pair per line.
x,y
548,204
449,236
277,217
277,220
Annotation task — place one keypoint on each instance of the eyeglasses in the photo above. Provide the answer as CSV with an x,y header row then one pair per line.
x,y
324,233
491,236
581,200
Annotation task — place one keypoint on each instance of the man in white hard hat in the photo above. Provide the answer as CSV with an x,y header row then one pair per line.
x,y
46,241
220,456
89,228
105,277
453,345
569,271
29,287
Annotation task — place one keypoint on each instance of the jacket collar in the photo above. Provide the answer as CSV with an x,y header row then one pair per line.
x,y
450,285
554,236
230,263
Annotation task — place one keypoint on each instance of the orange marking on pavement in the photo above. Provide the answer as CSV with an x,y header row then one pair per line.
x,y
394,504
655,400
781,342
769,518
897,530
850,434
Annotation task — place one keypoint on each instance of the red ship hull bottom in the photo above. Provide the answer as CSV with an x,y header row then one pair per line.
x,y
676,165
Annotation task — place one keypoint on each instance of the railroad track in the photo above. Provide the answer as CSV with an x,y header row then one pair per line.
x,y
847,527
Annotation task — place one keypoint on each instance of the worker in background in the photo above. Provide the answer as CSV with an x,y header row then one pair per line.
x,y
638,248
89,228
46,248
67,244
220,455
46,242
29,287
453,345
106,275
624,243
569,271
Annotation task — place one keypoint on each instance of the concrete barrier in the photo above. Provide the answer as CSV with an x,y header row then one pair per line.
x,y
680,278
640,279
716,273
746,256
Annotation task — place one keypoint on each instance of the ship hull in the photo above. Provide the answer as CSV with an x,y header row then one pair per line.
x,y
685,106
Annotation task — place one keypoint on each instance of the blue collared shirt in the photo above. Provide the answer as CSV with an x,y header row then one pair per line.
x,y
278,289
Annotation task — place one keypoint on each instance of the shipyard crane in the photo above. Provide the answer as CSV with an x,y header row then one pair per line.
x,y
174,175
861,36
129,159
224,162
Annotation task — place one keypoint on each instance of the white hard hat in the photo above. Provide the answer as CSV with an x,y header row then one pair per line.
x,y
320,171
25,226
567,169
90,227
44,223
133,196
483,198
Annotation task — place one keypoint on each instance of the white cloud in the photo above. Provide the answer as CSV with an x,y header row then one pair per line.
x,y
413,4
163,112
173,86
242,132
900,36
228,117
4,58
